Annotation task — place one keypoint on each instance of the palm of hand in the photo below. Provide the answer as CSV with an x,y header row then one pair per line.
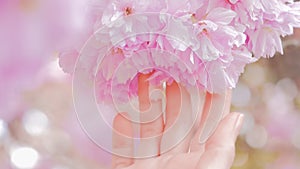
x,y
215,153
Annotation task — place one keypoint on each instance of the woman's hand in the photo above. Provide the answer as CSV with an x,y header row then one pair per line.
x,y
194,151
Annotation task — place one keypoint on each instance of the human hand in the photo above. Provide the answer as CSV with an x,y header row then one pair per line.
x,y
193,151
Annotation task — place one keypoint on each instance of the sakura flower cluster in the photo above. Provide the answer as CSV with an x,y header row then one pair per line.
x,y
203,42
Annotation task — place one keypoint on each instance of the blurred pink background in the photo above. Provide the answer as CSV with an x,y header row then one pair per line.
x,y
38,126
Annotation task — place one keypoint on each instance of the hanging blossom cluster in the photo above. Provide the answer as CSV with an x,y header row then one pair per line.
x,y
213,40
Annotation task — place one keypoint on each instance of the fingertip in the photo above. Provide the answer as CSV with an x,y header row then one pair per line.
x,y
239,123
220,148
228,130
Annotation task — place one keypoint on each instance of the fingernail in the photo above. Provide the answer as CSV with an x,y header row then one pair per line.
x,y
238,125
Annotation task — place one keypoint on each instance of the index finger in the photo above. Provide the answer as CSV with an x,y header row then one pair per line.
x,y
122,142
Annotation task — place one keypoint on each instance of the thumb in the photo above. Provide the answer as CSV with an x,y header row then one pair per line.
x,y
220,148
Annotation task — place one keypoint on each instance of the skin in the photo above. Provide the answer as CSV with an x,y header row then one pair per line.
x,y
216,152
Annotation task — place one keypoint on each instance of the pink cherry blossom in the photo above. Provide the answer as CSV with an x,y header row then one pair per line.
x,y
212,40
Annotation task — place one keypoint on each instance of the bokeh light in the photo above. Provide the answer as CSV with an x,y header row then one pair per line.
x,y
3,129
24,157
35,122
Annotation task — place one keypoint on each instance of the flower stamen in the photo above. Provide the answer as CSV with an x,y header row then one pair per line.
x,y
128,11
